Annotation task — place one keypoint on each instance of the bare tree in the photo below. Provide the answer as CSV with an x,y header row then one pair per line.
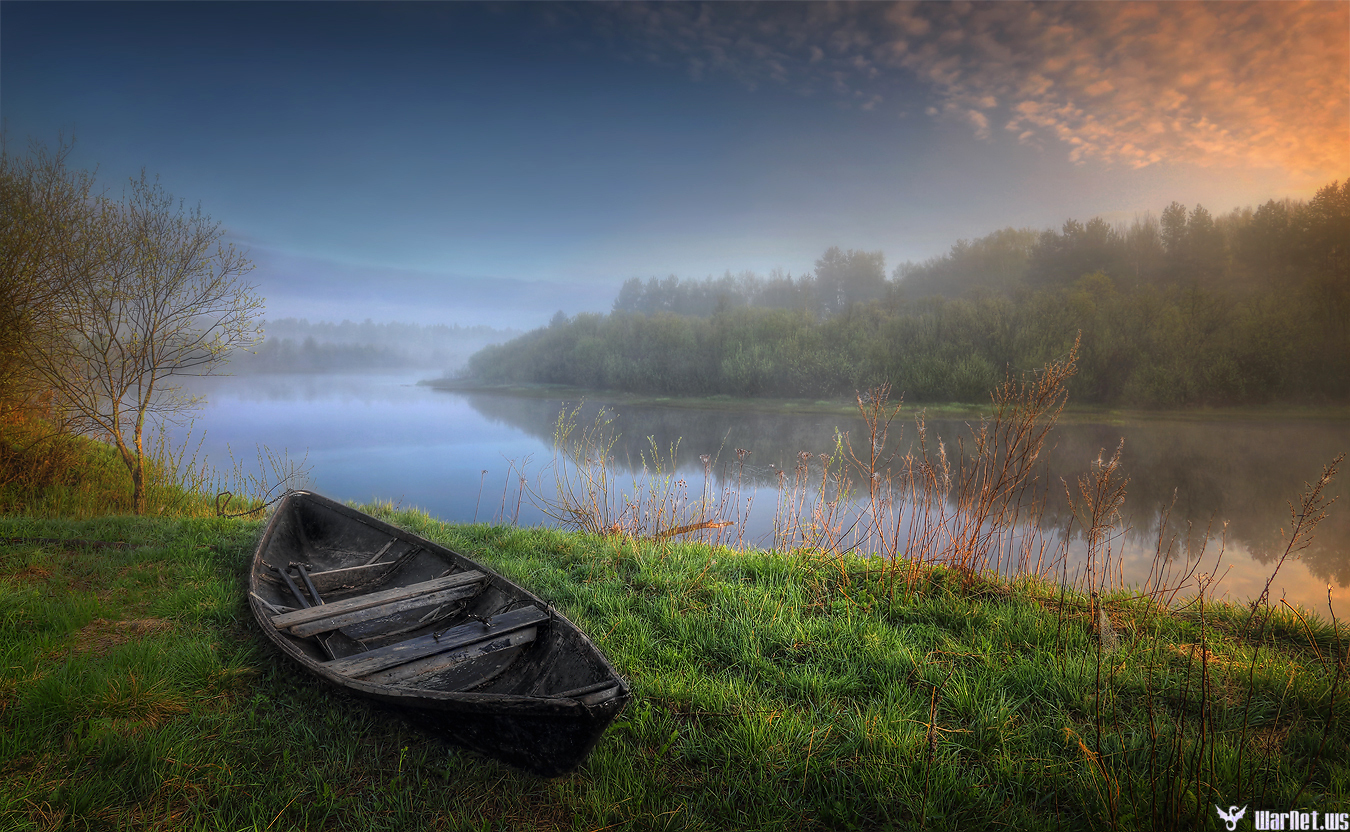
x,y
46,214
162,297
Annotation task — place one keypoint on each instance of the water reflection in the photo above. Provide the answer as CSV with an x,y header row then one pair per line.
x,y
1206,478
381,437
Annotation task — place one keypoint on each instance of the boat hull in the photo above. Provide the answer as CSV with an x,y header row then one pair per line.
x,y
494,668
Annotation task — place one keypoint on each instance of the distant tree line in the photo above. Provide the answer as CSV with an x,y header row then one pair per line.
x,y
286,355
1278,245
292,345
1182,309
840,280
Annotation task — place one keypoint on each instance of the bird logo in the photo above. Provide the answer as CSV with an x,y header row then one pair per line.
x,y
1232,816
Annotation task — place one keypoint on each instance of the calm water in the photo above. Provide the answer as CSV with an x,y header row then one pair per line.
x,y
382,437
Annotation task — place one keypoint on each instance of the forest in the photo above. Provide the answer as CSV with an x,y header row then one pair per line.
x,y
1180,309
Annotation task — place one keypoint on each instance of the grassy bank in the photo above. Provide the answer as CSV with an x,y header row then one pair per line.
x,y
770,692
45,472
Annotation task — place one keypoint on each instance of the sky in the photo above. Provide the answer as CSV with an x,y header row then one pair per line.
x,y
469,163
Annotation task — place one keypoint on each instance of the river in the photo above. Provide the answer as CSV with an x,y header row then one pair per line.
x,y
1223,484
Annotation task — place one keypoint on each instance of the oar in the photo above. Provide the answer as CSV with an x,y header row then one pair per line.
x,y
308,583
295,590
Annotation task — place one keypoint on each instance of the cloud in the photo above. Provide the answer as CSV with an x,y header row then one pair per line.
x,y
1264,84
1210,84
978,121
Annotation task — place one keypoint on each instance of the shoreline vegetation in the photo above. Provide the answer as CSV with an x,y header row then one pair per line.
x,y
807,687
1183,310
47,472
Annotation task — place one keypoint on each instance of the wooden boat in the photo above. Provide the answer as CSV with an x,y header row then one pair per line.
x,y
460,650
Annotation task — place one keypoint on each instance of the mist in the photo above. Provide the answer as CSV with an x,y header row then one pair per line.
x,y
295,345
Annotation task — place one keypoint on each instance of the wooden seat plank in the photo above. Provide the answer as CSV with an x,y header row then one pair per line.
x,y
416,671
323,625
374,599
454,638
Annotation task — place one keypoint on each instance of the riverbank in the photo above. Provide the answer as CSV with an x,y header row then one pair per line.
x,y
770,691
1072,414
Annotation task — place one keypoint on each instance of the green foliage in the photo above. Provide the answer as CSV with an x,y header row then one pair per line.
x,y
996,262
703,298
1252,307
846,278
45,472
1164,347
285,355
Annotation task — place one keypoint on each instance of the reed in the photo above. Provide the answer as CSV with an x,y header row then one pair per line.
x,y
589,495
1208,725
977,509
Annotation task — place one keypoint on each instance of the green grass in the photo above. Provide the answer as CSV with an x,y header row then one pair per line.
x,y
770,692
46,473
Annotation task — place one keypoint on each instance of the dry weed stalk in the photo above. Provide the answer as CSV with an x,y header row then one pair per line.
x,y
1183,727
1303,521
581,470
588,497
823,526
975,513
1102,496
1002,458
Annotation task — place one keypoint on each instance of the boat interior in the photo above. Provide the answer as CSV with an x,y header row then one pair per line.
x,y
363,600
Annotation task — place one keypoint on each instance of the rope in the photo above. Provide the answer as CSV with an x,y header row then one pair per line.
x,y
229,495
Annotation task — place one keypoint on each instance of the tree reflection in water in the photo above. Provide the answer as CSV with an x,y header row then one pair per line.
x,y
1196,485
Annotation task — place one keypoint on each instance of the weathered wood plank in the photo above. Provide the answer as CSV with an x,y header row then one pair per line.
x,y
295,590
380,553
454,638
275,609
413,671
374,599
309,585
347,570
582,691
323,625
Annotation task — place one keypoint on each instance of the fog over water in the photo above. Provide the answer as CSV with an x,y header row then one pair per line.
x,y
369,437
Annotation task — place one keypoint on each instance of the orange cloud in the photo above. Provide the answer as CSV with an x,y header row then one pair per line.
x,y
1255,84
1260,84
